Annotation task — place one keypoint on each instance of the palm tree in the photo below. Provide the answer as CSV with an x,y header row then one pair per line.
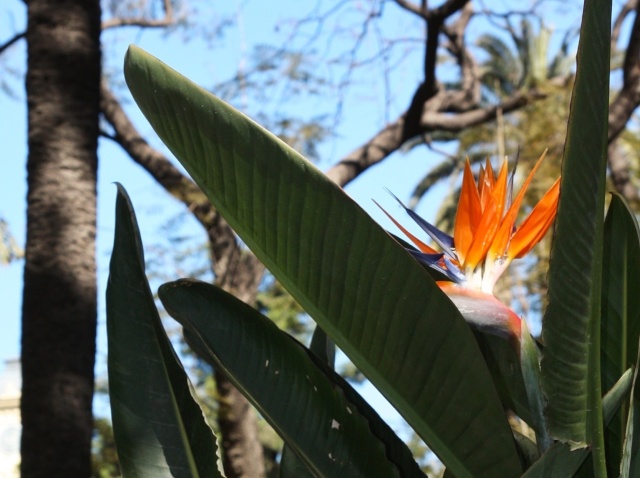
x,y
59,296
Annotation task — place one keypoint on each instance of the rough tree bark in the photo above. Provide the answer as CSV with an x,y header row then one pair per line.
x,y
625,103
59,298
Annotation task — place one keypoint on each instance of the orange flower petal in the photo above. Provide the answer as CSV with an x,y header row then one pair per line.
x,y
419,244
503,236
491,218
485,187
536,225
468,215
480,177
490,178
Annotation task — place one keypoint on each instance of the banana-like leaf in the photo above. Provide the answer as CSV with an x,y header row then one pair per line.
x,y
571,324
620,312
333,432
160,429
530,365
291,466
365,291
324,348
506,371
630,463
560,460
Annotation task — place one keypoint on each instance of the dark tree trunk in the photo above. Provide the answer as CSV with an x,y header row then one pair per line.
x,y
59,299
243,455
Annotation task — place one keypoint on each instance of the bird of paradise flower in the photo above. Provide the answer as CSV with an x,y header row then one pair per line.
x,y
485,241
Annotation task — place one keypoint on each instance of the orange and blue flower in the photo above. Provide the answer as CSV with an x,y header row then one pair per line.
x,y
485,238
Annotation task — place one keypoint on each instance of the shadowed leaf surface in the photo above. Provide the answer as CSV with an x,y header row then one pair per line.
x,y
159,428
320,417
571,325
620,312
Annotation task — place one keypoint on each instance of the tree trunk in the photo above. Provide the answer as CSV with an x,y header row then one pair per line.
x,y
243,455
59,297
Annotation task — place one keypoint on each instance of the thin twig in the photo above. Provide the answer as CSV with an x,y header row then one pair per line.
x,y
14,39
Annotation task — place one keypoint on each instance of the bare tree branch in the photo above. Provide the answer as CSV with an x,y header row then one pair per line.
x,y
507,15
628,98
381,145
14,39
435,120
631,65
136,22
617,24
143,21
444,11
447,9
389,139
625,103
435,20
469,94
152,160
623,106
421,11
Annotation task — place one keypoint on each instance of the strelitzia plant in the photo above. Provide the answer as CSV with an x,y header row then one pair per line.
x,y
454,385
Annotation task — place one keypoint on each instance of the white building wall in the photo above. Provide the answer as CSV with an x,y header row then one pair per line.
x,y
10,425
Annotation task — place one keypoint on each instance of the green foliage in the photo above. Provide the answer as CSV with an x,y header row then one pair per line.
x,y
384,311
571,331
620,309
9,248
275,302
342,436
104,458
159,428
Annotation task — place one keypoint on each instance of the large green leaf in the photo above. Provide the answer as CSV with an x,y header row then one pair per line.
x,y
291,466
324,348
319,416
560,460
571,324
620,312
630,461
369,295
530,365
159,428
506,371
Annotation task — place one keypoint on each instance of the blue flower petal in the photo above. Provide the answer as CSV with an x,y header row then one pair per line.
x,y
444,240
433,262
